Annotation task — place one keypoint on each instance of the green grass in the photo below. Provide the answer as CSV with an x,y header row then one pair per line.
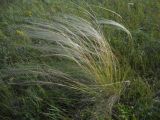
x,y
44,75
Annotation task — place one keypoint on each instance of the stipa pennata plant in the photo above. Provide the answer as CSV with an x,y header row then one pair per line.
x,y
82,41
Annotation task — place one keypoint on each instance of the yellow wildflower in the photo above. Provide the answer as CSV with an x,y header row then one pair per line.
x,y
19,32
28,13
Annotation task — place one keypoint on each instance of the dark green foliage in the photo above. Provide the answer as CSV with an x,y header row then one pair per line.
x,y
139,55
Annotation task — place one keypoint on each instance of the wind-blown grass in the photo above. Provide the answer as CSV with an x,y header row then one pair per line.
x,y
82,41
75,67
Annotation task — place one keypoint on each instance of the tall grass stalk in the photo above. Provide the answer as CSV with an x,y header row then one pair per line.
x,y
82,41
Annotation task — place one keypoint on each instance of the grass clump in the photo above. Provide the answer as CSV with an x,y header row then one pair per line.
x,y
82,42
64,61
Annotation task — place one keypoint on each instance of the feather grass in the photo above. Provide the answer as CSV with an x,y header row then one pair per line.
x,y
82,42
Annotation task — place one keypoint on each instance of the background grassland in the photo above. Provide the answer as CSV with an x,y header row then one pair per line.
x,y
139,59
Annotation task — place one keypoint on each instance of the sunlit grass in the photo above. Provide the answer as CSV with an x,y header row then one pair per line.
x,y
82,42
65,61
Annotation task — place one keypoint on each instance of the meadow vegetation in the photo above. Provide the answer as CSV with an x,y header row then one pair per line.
x,y
79,60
